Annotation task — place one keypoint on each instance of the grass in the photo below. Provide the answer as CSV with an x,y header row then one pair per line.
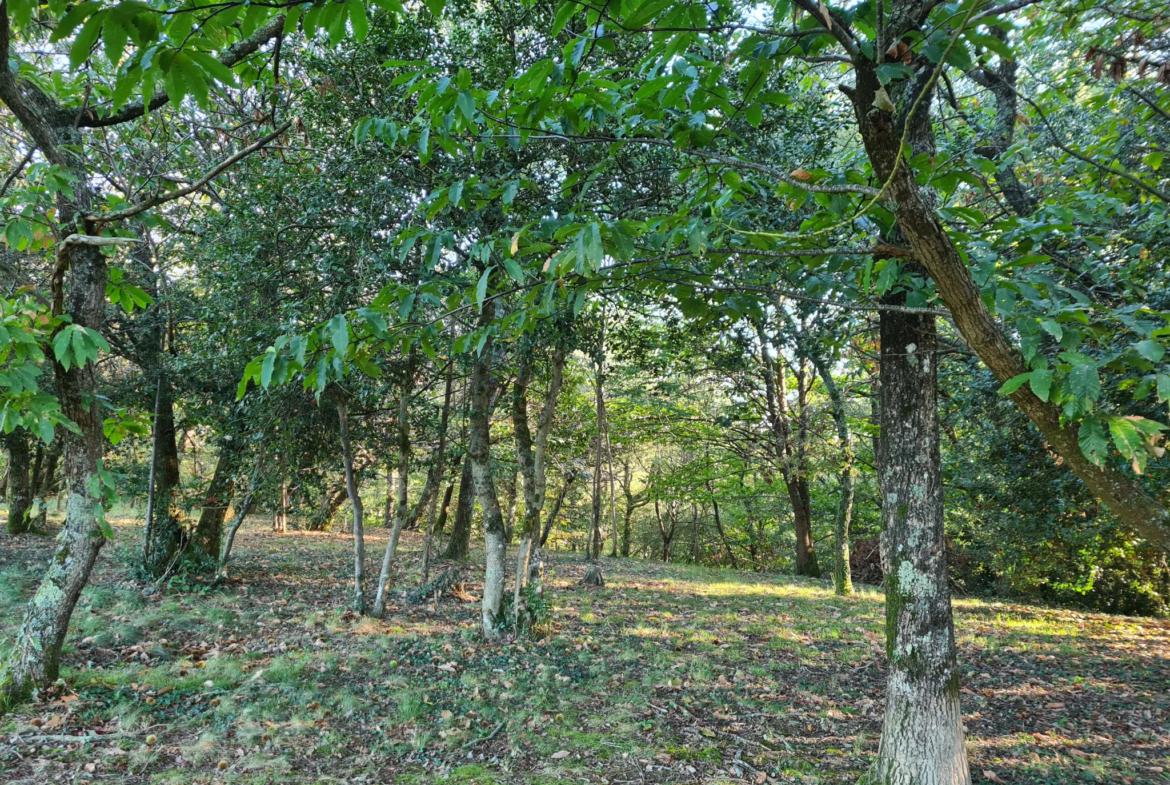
x,y
670,673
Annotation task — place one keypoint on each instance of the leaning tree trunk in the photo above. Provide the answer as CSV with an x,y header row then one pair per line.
x,y
459,546
242,511
355,499
479,457
36,655
401,504
19,482
209,530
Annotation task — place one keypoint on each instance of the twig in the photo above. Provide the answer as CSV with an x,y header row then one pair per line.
x,y
488,737
73,739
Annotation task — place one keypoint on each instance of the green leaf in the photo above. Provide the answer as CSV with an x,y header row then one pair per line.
x,y
1091,437
1052,327
466,102
1154,160
436,7
754,115
514,270
72,18
1163,388
1085,382
339,334
564,14
510,190
481,287
266,367
593,250
1041,383
83,43
1014,383
357,17
1151,350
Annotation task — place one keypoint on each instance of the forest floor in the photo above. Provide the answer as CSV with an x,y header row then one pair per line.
x,y
668,674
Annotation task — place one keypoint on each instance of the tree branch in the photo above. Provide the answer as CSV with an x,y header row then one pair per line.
x,y
236,53
155,201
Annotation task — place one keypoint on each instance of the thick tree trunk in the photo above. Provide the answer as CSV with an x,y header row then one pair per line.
x,y
479,458
922,732
459,546
19,481
36,654
355,499
401,507
209,530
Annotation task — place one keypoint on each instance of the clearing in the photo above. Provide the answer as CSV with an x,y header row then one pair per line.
x,y
669,674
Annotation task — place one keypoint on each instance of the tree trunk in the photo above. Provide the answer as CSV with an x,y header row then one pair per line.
x,y
19,482
936,252
241,512
48,482
551,518
401,508
842,581
531,454
355,499
445,507
459,546
922,732
479,457
719,528
776,390
440,470
165,539
209,529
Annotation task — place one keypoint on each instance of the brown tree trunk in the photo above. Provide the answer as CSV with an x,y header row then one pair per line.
x,y
440,470
401,507
19,482
459,546
209,530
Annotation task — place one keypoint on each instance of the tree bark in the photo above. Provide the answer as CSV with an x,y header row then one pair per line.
x,y
459,546
209,530
242,511
401,507
479,457
922,732
19,481
355,499
531,452
551,518
796,485
164,532
440,470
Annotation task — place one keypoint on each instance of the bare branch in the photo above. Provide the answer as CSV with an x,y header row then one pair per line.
x,y
216,171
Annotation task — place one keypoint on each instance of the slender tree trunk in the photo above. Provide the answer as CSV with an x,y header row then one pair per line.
x,y
445,507
19,482
511,490
355,499
551,518
401,508
440,472
842,581
48,483
242,511
922,733
531,454
479,457
719,528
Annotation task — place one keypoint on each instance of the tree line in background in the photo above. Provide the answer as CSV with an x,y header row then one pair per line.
x,y
873,292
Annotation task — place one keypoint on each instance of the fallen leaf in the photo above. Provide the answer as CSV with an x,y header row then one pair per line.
x,y
991,776
560,754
